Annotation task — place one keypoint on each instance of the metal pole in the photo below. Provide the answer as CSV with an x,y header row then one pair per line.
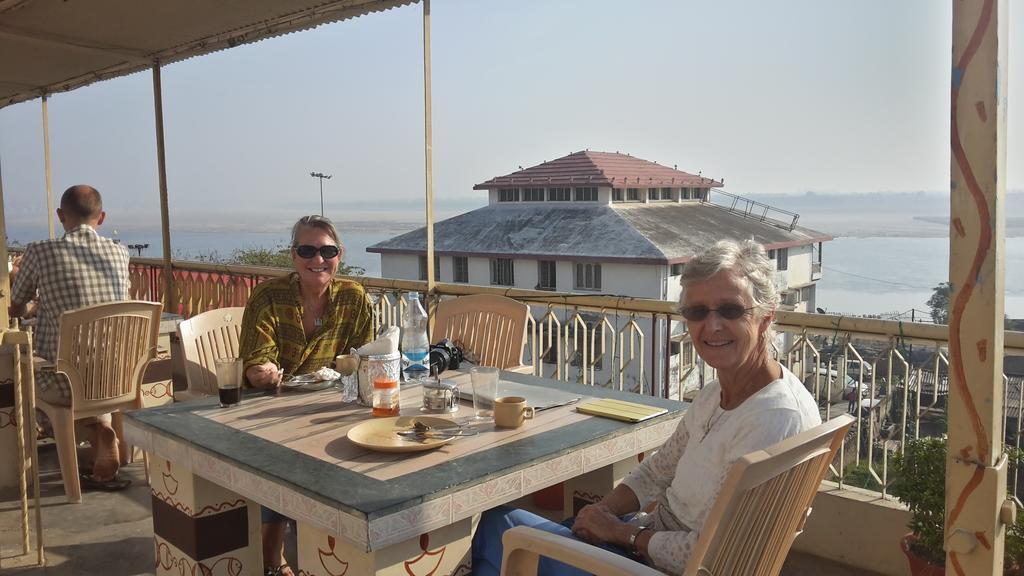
x,y
976,468
47,168
161,162
321,196
428,147
5,299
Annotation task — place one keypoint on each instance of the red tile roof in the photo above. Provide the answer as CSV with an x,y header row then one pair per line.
x,y
599,169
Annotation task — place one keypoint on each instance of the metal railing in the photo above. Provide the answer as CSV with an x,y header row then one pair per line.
x,y
896,370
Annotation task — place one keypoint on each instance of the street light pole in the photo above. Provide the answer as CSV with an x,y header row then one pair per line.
x,y
321,176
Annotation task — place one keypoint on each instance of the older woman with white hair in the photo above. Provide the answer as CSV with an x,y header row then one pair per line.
x,y
729,303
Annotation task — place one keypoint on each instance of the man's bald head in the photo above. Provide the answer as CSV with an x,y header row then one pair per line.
x,y
80,204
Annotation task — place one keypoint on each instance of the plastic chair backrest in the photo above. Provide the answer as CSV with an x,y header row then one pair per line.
x,y
764,502
104,351
204,338
489,327
749,530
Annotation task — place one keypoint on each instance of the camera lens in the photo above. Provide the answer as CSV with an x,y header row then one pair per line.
x,y
444,356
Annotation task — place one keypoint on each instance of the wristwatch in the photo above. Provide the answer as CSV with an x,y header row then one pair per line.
x,y
633,537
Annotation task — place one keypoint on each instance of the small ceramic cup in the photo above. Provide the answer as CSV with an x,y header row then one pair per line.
x,y
346,364
511,411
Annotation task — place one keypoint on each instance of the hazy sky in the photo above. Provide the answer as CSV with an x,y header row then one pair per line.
x,y
823,95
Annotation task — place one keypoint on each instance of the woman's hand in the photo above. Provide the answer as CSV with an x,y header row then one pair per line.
x,y
266,375
597,524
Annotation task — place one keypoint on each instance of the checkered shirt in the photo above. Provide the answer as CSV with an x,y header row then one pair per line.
x,y
80,269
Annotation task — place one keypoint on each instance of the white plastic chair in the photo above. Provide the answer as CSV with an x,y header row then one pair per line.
x,y
204,338
750,528
489,327
104,351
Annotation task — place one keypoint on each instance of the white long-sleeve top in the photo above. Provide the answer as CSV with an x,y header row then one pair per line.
x,y
685,475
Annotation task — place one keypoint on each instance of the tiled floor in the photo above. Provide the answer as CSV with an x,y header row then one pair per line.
x,y
111,533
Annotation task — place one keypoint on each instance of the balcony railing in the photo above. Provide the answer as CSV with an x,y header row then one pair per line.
x,y
637,345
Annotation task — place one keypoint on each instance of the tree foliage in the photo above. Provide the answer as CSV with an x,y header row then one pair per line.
x,y
939,303
278,257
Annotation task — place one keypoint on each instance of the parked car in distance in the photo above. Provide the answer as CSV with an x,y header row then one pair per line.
x,y
854,368
830,388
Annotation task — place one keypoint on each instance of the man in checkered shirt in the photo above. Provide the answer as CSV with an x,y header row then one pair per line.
x,y
80,269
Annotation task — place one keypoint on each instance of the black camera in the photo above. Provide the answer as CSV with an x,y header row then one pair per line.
x,y
444,355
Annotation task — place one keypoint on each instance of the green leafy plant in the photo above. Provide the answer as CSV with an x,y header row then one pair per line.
x,y
939,303
279,257
920,483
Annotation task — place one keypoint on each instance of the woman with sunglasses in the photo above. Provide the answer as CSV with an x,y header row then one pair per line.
x,y
728,302
297,324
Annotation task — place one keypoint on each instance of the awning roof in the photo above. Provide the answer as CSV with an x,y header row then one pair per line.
x,y
49,46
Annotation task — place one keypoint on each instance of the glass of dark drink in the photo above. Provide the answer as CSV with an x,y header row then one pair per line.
x,y
229,381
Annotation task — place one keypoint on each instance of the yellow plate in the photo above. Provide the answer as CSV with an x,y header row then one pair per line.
x,y
382,434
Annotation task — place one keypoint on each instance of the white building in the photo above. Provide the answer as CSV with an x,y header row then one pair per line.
x,y
604,223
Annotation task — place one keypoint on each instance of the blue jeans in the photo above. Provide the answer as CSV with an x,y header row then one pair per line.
x,y
487,548
268,516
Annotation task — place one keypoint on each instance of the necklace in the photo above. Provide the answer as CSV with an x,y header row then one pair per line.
x,y
712,420
318,312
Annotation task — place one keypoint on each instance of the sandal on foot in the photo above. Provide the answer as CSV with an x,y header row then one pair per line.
x,y
89,482
282,570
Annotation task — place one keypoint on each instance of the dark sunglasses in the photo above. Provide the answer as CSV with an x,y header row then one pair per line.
x,y
326,252
700,312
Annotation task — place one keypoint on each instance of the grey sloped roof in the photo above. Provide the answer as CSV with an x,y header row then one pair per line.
x,y
531,230
682,230
638,233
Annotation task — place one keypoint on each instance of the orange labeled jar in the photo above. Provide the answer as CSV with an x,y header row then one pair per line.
x,y
385,396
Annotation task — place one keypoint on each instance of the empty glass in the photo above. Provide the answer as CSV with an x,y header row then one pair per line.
x,y
485,390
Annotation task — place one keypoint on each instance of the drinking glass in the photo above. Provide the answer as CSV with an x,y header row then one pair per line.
x,y
485,390
229,381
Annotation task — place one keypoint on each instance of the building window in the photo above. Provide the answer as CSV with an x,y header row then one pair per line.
x,y
677,269
460,269
807,293
502,272
700,193
508,195
666,193
616,194
781,257
588,194
559,195
633,194
533,194
588,276
652,194
684,193
423,268
546,275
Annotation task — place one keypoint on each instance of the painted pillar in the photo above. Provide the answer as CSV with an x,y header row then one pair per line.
x,y
5,275
200,527
976,471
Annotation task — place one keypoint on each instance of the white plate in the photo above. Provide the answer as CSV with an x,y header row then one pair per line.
x,y
382,434
300,380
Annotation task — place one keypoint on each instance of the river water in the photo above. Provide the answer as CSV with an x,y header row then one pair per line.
x,y
861,275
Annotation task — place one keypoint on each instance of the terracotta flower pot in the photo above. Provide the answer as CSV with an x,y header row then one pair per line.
x,y
919,566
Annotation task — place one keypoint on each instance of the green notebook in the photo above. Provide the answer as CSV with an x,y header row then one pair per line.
x,y
620,410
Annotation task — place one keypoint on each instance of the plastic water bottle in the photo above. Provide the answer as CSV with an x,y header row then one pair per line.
x,y
414,332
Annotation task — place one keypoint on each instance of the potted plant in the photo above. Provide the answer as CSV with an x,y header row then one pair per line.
x,y
920,483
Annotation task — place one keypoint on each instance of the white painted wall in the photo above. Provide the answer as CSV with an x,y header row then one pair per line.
x,y
799,265
401,266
